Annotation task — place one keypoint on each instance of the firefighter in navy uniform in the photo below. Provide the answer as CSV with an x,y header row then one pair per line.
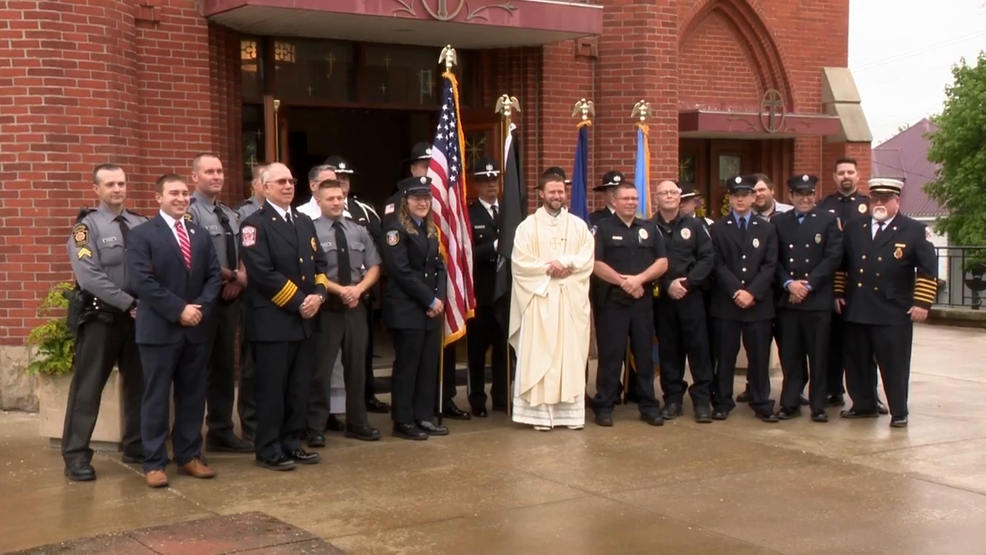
x,y
679,311
809,253
890,282
484,331
630,257
412,309
104,330
285,289
418,165
743,299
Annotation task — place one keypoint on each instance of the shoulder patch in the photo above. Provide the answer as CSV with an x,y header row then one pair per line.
x,y
388,209
80,234
188,217
84,252
249,234
393,237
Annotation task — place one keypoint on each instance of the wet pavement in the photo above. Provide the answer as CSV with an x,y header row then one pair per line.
x,y
737,487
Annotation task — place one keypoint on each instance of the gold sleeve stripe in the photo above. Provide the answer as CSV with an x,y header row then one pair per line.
x,y
321,279
286,293
924,299
927,282
84,252
926,287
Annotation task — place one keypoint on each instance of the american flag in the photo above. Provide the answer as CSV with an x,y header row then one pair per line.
x,y
451,217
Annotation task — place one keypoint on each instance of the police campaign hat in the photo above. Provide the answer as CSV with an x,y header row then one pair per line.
x,y
802,183
611,179
742,183
485,166
340,165
415,185
884,186
557,172
421,151
687,190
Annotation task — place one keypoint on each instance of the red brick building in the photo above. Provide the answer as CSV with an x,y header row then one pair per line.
x,y
734,85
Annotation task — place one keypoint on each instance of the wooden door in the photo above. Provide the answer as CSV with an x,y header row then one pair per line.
x,y
728,159
484,137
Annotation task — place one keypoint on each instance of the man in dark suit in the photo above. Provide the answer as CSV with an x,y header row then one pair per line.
x,y
286,286
742,299
175,272
484,331
809,253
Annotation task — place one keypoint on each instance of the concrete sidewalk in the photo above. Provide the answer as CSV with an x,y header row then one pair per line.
x,y
736,487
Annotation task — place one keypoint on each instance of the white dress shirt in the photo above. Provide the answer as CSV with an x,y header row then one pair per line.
x,y
171,225
874,223
312,210
489,210
283,213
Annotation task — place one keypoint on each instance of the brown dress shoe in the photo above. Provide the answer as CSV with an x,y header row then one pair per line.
x,y
196,469
156,479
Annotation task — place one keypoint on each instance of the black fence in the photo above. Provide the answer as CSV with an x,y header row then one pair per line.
x,y
961,280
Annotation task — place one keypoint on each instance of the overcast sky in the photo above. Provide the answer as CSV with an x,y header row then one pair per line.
x,y
901,53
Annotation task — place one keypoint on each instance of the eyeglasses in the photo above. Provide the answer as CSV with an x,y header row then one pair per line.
x,y
283,181
671,193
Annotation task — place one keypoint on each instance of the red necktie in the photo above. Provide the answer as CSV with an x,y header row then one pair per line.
x,y
186,247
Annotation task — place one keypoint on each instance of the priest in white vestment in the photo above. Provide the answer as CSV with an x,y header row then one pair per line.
x,y
552,259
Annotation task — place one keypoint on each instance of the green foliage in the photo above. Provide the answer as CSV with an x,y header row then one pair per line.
x,y
56,347
959,146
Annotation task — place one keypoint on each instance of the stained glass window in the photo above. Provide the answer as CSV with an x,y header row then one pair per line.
x,y
317,70
251,68
403,75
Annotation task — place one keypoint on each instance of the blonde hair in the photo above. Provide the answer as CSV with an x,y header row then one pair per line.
x,y
405,218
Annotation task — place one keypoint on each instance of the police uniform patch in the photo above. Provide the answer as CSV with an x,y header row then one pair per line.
x,y
80,234
388,209
314,245
862,208
249,234
686,233
642,234
756,243
898,253
818,238
393,237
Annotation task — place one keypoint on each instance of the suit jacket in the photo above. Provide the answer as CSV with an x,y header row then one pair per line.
x,y
884,277
284,265
164,285
811,251
416,274
484,256
744,260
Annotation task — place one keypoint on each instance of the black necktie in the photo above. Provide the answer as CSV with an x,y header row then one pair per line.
x,y
124,228
287,217
496,214
230,240
342,250
879,228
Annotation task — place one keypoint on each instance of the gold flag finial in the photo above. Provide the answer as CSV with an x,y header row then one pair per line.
x,y
585,108
505,105
448,56
641,109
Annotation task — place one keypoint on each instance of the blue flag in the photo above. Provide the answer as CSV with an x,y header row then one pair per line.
x,y
640,177
580,176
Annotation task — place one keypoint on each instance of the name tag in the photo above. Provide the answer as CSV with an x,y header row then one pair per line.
x,y
617,237
483,226
212,227
110,240
326,245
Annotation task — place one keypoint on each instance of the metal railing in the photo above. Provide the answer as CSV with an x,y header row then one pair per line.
x,y
961,279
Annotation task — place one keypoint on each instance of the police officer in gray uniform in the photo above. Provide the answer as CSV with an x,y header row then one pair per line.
x,y
353,268
105,332
221,222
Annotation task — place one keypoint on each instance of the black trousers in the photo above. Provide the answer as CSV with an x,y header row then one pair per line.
x,y
415,374
369,384
246,404
220,349
449,388
681,330
804,348
482,333
284,374
182,364
98,346
891,347
756,339
616,323
838,361
343,330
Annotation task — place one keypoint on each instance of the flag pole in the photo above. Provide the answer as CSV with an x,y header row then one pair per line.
x,y
505,106
441,373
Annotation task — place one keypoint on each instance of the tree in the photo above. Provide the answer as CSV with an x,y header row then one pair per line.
x,y
959,147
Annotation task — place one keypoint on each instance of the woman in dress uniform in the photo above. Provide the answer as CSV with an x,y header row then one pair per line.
x,y
412,309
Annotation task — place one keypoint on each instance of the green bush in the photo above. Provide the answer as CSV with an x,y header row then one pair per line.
x,y
56,346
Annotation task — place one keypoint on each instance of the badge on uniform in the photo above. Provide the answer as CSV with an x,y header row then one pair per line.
x,y
393,237
187,217
81,235
862,208
314,245
686,233
898,253
756,243
249,234
642,234
818,238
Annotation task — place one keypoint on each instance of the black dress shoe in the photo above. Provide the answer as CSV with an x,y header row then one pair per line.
x,y
80,472
316,439
362,433
881,408
788,414
409,431
431,429
604,419
819,416
853,413
898,422
654,419
703,415
334,424
130,458
769,418
835,401
454,412
479,412
804,400
671,411
744,397
304,457
228,443
279,462
376,405
720,414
